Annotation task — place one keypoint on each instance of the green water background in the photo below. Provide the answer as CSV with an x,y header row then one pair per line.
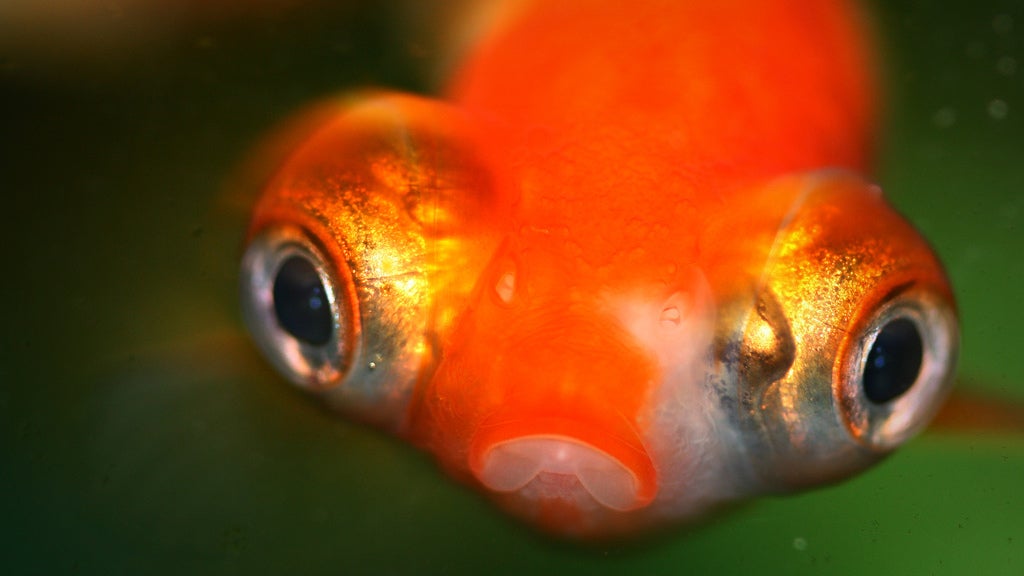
x,y
141,433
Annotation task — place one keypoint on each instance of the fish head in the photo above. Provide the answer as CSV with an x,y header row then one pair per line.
x,y
592,375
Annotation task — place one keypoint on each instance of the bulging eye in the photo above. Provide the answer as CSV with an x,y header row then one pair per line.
x,y
898,368
366,244
297,308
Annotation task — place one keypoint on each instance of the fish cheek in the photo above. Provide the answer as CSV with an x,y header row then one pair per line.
x,y
449,405
756,350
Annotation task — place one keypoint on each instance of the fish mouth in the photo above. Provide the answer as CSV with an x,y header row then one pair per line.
x,y
564,461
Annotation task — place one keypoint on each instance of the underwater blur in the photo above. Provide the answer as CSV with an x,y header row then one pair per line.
x,y
142,431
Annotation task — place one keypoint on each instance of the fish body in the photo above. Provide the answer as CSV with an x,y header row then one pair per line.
x,y
629,270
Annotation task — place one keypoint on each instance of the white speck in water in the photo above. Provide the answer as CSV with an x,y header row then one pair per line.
x,y
799,544
1002,24
1007,65
998,109
944,117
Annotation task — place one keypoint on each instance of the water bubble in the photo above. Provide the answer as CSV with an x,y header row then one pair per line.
x,y
944,117
1002,24
799,544
998,109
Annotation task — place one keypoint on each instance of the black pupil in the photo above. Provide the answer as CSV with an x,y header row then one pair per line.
x,y
300,302
893,361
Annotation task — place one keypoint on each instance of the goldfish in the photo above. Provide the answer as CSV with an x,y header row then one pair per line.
x,y
629,269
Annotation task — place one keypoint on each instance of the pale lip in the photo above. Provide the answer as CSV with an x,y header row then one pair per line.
x,y
511,465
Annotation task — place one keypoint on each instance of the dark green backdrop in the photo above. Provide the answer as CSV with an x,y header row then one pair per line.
x,y
141,433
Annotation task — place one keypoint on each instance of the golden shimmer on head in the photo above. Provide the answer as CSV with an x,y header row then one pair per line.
x,y
842,267
386,193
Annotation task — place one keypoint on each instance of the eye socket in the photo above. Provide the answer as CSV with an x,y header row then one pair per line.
x,y
297,309
898,369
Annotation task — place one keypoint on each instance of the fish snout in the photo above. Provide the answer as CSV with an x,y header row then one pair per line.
x,y
567,460
547,410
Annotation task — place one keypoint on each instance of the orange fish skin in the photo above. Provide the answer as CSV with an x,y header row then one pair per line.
x,y
669,102
630,273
